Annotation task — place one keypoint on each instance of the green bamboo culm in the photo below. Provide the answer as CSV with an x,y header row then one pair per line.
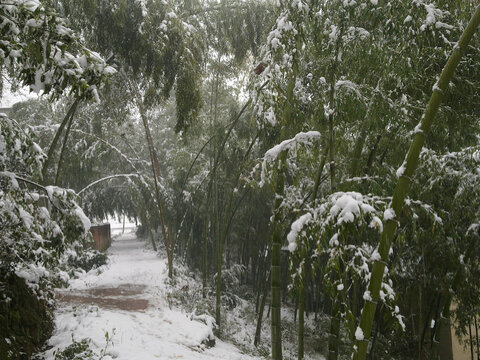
x,y
68,118
335,321
276,279
403,183
275,274
301,316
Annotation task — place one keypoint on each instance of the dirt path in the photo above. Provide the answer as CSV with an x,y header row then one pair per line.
x,y
128,300
123,297
130,281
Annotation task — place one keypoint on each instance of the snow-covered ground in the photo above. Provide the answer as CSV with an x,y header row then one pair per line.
x,y
129,300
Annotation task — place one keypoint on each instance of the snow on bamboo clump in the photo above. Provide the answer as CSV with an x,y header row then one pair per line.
x,y
280,55
346,227
65,62
339,208
389,214
290,145
347,206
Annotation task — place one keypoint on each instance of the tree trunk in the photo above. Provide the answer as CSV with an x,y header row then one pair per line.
x,y
331,150
357,151
471,340
318,178
228,215
372,154
170,252
444,349
331,103
167,237
476,337
218,291
360,142
404,181
204,256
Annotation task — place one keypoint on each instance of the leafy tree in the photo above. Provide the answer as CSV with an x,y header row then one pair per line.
x,y
43,230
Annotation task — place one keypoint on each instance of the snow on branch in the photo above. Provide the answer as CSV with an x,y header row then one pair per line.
x,y
348,85
473,228
290,145
296,229
105,179
37,240
344,226
305,138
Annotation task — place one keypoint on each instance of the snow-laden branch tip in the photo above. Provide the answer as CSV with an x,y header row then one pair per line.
x,y
473,228
302,138
348,85
348,206
305,138
296,229
107,178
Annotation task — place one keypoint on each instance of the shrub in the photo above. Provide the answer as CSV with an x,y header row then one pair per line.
x,y
25,320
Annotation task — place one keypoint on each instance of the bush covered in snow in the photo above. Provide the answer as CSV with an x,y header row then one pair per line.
x,y
44,234
25,321
82,350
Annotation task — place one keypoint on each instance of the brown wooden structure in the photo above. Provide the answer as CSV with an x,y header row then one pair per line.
x,y
101,236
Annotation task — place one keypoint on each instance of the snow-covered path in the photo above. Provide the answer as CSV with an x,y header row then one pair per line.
x,y
129,300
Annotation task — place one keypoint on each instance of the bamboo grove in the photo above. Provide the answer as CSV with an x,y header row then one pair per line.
x,y
317,157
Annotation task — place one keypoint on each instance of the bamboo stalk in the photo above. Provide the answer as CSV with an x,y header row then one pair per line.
x,y
64,145
471,340
56,138
404,181
156,175
301,318
258,330
276,280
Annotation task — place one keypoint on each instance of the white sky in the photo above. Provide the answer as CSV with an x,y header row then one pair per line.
x,y
8,98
